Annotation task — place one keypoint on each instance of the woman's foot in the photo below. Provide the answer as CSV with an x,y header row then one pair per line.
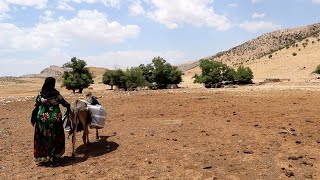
x,y
54,162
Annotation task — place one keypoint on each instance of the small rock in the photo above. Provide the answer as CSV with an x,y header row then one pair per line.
x,y
298,142
309,176
248,151
309,121
289,173
207,167
307,163
293,157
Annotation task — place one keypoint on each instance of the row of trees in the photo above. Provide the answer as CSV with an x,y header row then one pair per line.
x,y
158,74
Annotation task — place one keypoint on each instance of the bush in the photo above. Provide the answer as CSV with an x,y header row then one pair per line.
x,y
317,70
294,54
244,75
213,72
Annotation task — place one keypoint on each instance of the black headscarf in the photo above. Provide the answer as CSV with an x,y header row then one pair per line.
x,y
48,88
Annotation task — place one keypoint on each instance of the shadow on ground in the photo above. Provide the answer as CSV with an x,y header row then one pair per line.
x,y
94,149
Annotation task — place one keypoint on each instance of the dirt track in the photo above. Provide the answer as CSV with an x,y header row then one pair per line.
x,y
180,134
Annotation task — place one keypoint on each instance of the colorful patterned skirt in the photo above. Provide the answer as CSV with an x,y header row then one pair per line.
x,y
49,139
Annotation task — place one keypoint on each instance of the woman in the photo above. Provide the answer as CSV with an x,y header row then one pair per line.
x,y
49,139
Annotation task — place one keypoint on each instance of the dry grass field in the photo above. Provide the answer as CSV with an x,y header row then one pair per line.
x,y
268,131
261,131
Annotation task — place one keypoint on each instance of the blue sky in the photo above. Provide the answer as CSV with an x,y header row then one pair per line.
x,y
35,34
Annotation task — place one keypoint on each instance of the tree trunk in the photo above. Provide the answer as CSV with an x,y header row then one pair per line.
x,y
111,87
80,90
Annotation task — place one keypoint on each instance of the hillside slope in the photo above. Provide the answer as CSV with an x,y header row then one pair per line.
x,y
270,55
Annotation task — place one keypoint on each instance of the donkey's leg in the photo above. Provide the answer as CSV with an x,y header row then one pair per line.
x,y
74,139
97,134
85,135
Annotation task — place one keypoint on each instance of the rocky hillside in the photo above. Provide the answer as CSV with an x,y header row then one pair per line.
x,y
53,71
264,45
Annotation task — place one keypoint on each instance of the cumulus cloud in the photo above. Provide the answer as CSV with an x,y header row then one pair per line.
x,y
47,16
258,15
36,3
136,8
255,26
86,29
5,5
64,4
173,14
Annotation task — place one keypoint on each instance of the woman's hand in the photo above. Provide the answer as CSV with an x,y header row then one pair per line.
x,y
43,100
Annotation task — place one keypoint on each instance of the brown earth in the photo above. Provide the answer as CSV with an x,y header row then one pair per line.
x,y
255,132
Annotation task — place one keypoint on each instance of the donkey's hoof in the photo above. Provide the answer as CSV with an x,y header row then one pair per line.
x,y
73,156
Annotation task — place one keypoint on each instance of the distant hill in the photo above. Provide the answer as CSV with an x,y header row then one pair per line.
x,y
270,55
261,46
53,71
57,72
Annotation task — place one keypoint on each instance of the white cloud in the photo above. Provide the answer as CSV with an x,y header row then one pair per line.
x,y
194,12
125,59
316,1
258,15
5,5
4,8
64,4
36,3
136,8
255,26
47,16
86,29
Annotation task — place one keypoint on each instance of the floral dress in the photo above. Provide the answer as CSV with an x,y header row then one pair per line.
x,y
49,139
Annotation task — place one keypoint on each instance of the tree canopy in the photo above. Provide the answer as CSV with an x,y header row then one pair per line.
x,y
159,73
213,72
79,77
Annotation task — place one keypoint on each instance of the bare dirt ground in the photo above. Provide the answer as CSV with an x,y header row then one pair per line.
x,y
265,132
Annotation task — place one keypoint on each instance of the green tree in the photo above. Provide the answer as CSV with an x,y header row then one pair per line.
x,y
213,72
244,75
119,79
108,78
134,78
127,80
147,72
79,78
164,73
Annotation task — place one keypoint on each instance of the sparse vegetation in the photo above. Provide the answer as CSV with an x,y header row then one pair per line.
x,y
294,54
